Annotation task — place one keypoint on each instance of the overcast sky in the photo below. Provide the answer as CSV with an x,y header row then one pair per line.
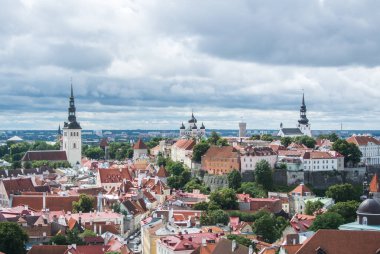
x,y
148,63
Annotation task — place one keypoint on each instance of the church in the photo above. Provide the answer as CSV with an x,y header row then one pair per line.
x,y
303,126
71,138
192,131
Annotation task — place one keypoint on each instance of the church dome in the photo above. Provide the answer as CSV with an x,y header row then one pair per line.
x,y
203,127
369,206
182,127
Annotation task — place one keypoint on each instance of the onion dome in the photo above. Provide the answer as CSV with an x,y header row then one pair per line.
x,y
193,119
369,206
194,127
182,127
202,127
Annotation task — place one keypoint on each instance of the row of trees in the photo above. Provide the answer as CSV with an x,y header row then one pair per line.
x,y
344,210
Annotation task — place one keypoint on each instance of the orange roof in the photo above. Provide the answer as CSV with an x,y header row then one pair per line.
x,y
291,249
114,175
139,145
341,242
374,185
71,223
53,203
302,189
162,172
362,140
186,144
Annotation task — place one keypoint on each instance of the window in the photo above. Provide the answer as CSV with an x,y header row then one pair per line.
x,y
364,221
74,145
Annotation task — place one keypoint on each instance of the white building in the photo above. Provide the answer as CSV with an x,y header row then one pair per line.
x,y
298,198
182,151
250,156
140,150
312,160
323,161
72,135
192,131
370,148
303,127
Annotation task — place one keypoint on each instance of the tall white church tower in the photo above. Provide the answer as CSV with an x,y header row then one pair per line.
x,y
303,122
72,135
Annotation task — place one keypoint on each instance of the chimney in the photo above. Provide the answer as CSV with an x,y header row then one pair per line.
x,y
233,245
250,250
44,201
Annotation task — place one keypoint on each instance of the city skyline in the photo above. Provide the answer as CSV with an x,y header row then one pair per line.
x,y
147,65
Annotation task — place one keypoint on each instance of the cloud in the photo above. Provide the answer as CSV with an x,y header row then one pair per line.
x,y
140,64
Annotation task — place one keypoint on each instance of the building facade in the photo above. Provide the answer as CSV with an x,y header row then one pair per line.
x,y
221,160
370,148
252,155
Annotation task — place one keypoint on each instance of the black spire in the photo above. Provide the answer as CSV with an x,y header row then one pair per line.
x,y
73,124
303,118
59,130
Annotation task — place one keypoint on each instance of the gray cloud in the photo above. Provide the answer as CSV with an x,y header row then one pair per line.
x,y
138,64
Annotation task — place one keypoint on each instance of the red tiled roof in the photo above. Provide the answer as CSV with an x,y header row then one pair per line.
x,y
342,242
362,140
48,155
374,185
53,203
221,152
162,172
88,249
140,145
114,175
185,144
48,249
302,189
301,222
18,185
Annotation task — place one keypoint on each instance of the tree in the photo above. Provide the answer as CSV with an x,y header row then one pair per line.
x,y
346,209
87,233
72,237
253,189
265,227
16,164
85,204
27,165
222,142
218,216
199,150
312,206
332,137
234,179
286,141
195,183
58,240
350,151
213,139
342,192
94,152
267,137
203,206
263,174
12,238
241,240
225,198
329,220
305,140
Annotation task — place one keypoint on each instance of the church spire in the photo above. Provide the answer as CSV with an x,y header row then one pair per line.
x,y
303,119
73,124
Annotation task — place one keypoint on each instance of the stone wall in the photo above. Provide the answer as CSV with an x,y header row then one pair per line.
x,y
215,181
